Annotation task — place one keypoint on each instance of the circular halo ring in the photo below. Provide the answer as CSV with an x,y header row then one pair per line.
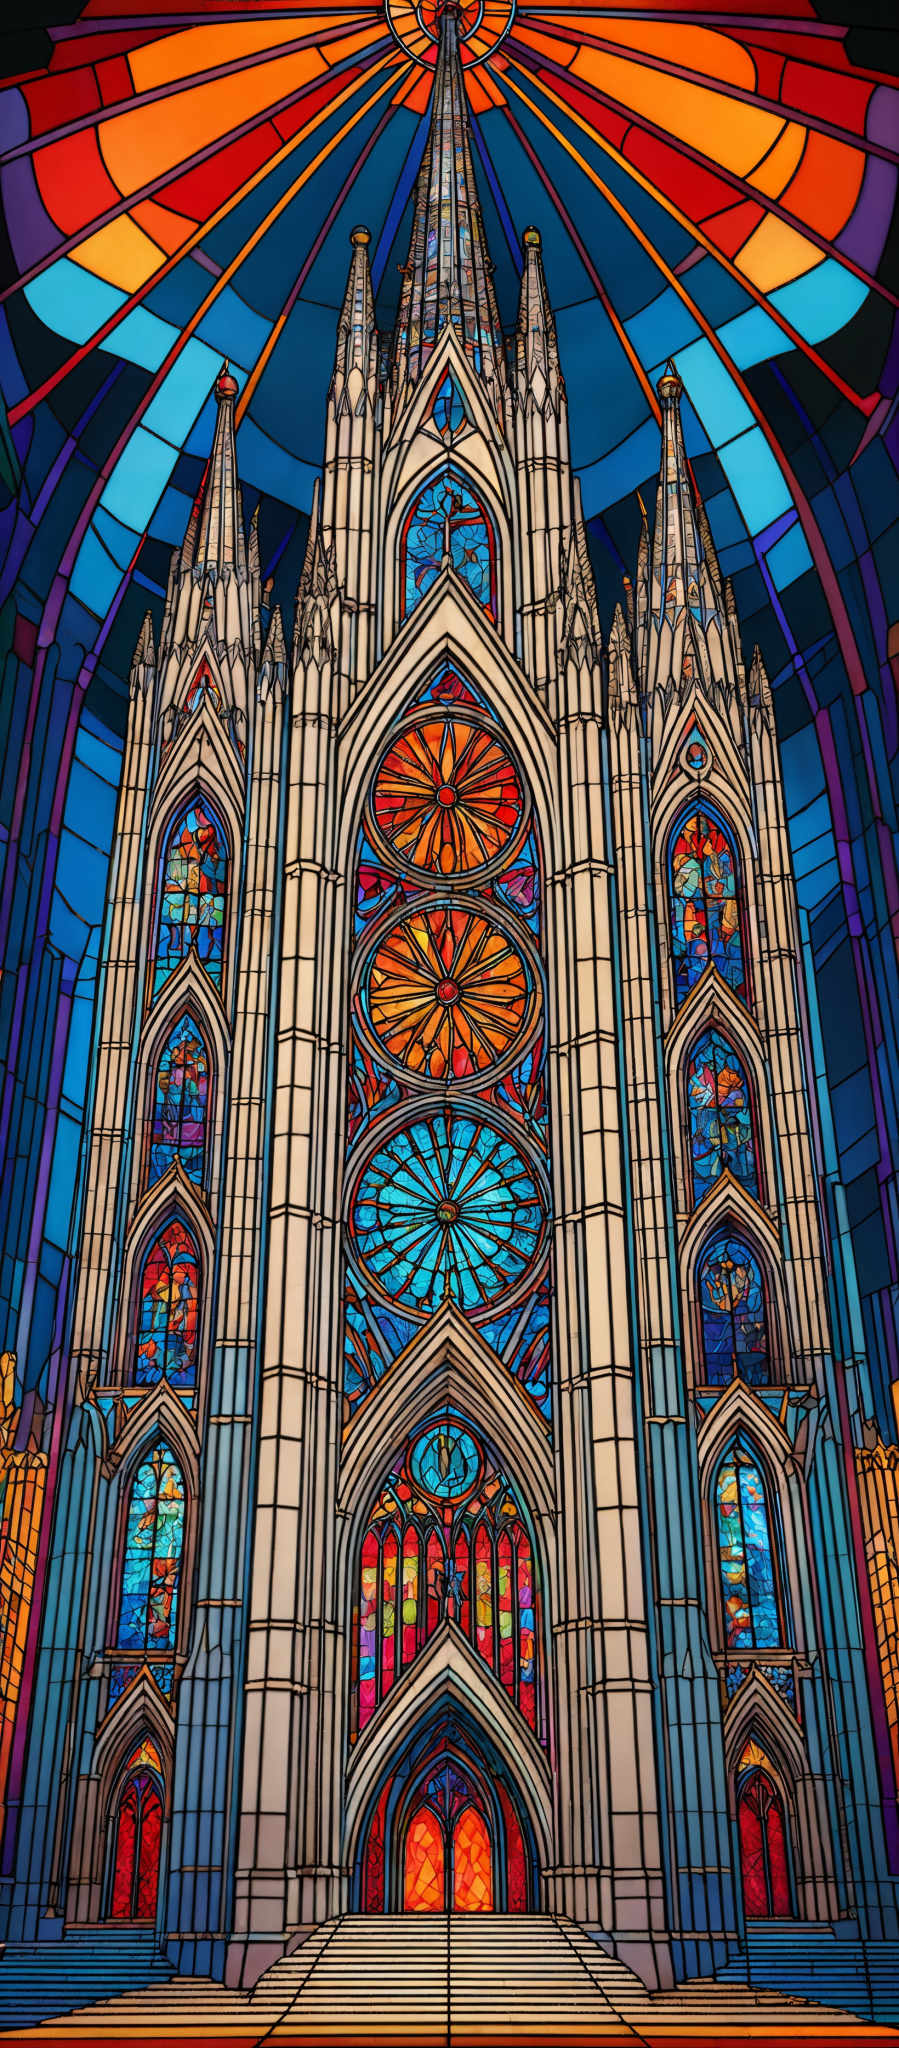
x,y
483,26
530,1270
473,908
431,877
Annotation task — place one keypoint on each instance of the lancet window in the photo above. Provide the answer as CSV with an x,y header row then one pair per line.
x,y
151,1566
448,1199
733,1314
447,1541
704,904
720,1120
761,1823
180,1103
750,1592
448,523
168,1311
193,894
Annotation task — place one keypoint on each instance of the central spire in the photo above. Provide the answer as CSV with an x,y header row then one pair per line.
x,y
447,278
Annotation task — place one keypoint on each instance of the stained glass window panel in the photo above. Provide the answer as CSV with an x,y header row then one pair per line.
x,y
763,1849
168,1311
425,1864
151,1564
705,916
746,1558
448,410
732,1311
192,903
135,1877
720,1117
472,1864
180,1103
447,523
447,797
448,991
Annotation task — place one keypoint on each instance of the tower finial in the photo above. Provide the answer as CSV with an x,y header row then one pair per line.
x,y
447,278
215,536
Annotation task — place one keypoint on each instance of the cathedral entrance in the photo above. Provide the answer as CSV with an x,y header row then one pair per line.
x,y
448,1834
449,1852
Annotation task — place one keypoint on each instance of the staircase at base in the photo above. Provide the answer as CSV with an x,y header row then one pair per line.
x,y
39,1979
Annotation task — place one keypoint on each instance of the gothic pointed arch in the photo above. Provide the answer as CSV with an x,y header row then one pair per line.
x,y
447,1537
758,1712
448,520
730,1264
449,1678
721,1111
135,1831
753,1599
201,758
194,875
147,1621
447,628
447,362
721,775
188,995
447,1361
172,1224
159,1413
706,924
179,1107
764,1832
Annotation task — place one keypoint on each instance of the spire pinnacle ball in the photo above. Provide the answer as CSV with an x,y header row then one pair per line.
x,y
532,238
225,384
360,237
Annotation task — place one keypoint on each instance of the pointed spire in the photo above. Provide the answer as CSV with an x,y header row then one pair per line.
x,y
677,547
354,359
143,662
536,347
759,686
253,542
622,688
273,667
447,278
215,537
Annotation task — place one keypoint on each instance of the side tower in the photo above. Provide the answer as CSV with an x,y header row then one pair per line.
x,y
448,1692
745,1416
136,1689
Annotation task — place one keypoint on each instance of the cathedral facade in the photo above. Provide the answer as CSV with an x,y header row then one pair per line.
x,y
456,1510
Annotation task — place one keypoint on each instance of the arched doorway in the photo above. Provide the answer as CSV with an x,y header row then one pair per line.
x,y
764,1860
137,1838
448,1832
449,1853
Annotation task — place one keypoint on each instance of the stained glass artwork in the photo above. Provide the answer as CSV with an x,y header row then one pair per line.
x,y
733,1315
763,1853
705,914
448,526
472,1864
746,1557
720,1116
449,992
180,1103
192,895
448,1209
447,798
450,1521
445,1462
425,1876
168,1311
151,1557
448,410
135,1875
450,512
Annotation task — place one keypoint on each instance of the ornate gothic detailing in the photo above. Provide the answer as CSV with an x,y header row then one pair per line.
x,y
448,527
705,913
138,1838
151,1564
749,1577
168,1311
447,278
447,1194
719,1113
447,1541
764,1859
193,894
733,1318
180,1103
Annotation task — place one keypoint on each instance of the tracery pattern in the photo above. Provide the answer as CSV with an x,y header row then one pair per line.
x,y
169,1311
720,1116
447,1196
448,523
763,1846
705,915
447,1540
151,1561
194,885
180,1103
733,1316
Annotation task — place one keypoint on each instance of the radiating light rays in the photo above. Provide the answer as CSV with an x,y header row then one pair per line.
x,y
865,405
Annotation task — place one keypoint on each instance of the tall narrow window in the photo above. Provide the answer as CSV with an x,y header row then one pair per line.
x,y
192,897
732,1313
151,1564
719,1112
168,1311
751,1609
180,1103
448,523
705,914
763,1843
137,1837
